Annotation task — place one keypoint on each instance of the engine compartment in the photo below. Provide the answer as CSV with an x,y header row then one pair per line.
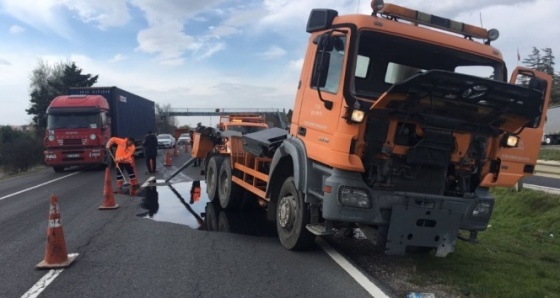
x,y
410,157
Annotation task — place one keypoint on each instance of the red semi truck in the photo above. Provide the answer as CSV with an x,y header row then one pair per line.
x,y
80,124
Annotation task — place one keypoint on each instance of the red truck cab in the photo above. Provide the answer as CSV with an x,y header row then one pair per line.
x,y
77,129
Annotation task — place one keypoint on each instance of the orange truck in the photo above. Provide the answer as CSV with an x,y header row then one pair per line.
x,y
397,128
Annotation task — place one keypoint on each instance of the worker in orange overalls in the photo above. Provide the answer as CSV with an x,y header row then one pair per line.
x,y
123,159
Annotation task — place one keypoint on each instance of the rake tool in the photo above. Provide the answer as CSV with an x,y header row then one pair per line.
x,y
126,183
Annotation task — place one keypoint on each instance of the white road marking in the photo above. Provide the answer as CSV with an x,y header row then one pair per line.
x,y
360,278
37,186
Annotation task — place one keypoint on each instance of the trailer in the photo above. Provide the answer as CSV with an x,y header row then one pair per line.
x,y
551,135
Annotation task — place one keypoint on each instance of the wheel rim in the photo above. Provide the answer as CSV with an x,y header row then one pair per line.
x,y
286,212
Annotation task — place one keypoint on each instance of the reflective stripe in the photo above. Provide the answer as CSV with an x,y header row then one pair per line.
x,y
53,209
54,223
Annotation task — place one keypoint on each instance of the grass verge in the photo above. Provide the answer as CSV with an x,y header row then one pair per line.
x,y
549,154
518,255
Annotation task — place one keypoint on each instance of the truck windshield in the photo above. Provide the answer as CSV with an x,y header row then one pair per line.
x,y
73,120
385,59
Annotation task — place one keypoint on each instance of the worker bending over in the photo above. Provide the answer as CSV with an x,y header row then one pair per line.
x,y
123,159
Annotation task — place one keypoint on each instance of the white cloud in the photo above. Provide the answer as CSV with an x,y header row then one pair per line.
x,y
211,50
15,29
106,13
117,58
167,40
158,11
4,62
49,15
273,52
222,31
296,64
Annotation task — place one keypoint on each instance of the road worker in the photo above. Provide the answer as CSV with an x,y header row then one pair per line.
x,y
123,159
150,152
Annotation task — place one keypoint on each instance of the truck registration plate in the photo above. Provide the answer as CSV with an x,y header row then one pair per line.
x,y
73,155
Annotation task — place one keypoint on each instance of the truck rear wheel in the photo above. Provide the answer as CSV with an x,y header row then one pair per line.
x,y
292,215
211,220
229,193
58,169
212,171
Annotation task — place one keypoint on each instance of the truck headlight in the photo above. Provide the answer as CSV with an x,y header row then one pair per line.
x,y
92,136
354,197
51,138
482,209
357,116
509,140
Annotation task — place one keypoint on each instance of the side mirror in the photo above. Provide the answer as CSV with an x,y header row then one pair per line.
x,y
322,61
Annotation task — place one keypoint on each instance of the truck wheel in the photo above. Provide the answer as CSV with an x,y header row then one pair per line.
x,y
58,169
229,193
211,220
292,215
212,171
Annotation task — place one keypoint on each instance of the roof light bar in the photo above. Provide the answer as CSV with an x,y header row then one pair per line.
x,y
423,18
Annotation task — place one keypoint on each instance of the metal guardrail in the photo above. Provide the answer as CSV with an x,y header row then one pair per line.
x,y
548,168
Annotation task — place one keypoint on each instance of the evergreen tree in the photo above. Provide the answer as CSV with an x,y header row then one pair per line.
x,y
544,62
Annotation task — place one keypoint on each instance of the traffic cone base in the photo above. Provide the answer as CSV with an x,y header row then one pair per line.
x,y
108,207
44,265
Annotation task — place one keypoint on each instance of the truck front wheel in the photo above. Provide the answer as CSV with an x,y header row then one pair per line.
x,y
212,171
292,215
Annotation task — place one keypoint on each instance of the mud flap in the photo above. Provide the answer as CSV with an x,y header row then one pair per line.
x,y
412,226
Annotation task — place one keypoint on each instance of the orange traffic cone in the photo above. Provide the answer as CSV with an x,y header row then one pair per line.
x,y
55,253
167,159
108,196
175,151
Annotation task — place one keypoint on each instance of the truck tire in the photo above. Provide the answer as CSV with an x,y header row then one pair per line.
x,y
292,215
212,171
211,220
58,169
229,193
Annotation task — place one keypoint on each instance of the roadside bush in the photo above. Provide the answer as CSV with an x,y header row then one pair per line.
x,y
20,152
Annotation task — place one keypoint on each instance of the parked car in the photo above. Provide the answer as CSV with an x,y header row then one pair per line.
x,y
184,138
166,141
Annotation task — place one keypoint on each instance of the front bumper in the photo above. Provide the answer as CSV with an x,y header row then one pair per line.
x,y
74,157
409,219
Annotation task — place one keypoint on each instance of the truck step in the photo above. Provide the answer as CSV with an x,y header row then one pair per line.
x,y
319,229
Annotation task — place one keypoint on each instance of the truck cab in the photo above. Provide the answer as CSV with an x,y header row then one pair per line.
x,y
78,126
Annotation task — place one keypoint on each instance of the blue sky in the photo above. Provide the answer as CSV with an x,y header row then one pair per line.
x,y
212,53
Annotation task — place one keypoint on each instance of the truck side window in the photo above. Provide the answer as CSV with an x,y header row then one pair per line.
x,y
334,66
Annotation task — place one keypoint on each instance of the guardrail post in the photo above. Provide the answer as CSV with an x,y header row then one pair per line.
x,y
518,186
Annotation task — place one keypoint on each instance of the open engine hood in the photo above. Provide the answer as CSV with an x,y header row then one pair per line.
x,y
455,99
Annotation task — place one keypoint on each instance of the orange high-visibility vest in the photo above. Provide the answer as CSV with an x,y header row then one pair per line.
x,y
124,152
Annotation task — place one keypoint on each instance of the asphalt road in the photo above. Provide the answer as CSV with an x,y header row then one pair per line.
x,y
124,253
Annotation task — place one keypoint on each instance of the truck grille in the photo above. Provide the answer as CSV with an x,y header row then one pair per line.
x,y
70,142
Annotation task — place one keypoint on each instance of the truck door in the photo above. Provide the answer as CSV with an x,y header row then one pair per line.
x,y
520,161
322,101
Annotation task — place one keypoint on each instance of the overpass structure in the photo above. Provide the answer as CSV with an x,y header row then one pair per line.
x,y
274,117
